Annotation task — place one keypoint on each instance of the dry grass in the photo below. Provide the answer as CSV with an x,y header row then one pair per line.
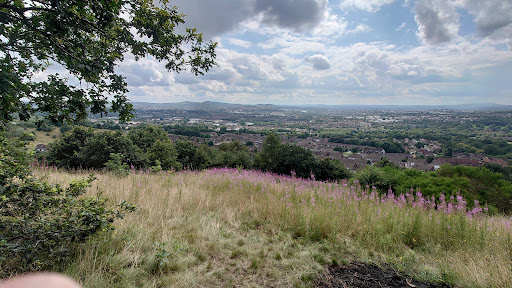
x,y
249,230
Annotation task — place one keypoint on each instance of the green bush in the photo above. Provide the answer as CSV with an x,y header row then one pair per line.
x,y
27,137
374,176
116,165
41,223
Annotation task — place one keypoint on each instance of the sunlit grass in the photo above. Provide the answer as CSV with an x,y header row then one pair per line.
x,y
229,227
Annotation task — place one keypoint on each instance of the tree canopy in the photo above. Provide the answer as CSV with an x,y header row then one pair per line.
x,y
89,39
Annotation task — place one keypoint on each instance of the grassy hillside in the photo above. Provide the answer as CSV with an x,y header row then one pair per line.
x,y
243,228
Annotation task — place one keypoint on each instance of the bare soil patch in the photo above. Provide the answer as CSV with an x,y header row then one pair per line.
x,y
359,275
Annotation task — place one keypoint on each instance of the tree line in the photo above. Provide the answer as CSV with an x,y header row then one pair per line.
x,y
148,147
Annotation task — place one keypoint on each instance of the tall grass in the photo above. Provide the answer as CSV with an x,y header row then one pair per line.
x,y
233,227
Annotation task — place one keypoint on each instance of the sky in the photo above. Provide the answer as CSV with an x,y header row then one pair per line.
x,y
341,52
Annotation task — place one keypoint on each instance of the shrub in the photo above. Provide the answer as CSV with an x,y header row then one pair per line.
x,y
65,128
40,223
116,165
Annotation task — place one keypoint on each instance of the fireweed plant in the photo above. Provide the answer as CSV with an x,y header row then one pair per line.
x,y
322,210
249,227
382,223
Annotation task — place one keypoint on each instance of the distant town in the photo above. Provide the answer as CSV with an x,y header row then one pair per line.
x,y
334,131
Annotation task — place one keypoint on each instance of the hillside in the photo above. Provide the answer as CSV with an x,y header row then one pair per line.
x,y
228,227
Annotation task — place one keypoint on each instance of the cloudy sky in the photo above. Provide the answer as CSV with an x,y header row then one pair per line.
x,y
341,52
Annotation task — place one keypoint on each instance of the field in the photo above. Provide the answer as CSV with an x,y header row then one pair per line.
x,y
42,137
229,227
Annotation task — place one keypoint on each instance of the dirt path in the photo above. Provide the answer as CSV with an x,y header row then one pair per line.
x,y
358,275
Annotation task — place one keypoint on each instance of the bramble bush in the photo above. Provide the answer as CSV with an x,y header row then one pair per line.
x,y
41,223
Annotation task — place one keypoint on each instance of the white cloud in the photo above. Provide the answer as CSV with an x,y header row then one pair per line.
x,y
145,72
278,62
332,25
320,62
360,28
402,26
294,44
367,5
239,42
403,70
213,86
349,82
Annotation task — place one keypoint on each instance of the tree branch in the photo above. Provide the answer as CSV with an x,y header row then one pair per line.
x,y
46,35
21,10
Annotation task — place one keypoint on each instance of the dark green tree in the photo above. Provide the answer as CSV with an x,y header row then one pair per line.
x,y
340,149
235,154
213,157
163,151
505,171
190,156
145,136
291,157
82,148
64,152
329,169
492,149
384,162
265,159
88,38
392,147
223,130
97,151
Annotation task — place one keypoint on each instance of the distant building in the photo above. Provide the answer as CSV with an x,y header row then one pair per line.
x,y
460,161
41,148
492,160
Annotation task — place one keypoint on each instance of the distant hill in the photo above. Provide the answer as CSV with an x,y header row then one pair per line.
x,y
461,107
219,106
187,105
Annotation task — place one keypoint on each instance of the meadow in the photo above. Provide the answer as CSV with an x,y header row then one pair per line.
x,y
232,227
